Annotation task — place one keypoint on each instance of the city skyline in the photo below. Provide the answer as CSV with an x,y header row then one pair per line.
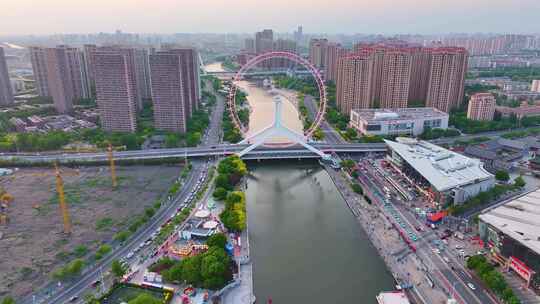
x,y
240,16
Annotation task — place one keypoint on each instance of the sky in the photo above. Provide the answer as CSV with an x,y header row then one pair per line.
x,y
245,16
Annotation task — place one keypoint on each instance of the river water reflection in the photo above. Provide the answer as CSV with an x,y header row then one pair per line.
x,y
306,246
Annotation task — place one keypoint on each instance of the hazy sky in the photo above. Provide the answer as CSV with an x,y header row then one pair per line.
x,y
321,16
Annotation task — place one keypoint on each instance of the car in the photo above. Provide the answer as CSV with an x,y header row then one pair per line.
x,y
471,286
73,299
130,255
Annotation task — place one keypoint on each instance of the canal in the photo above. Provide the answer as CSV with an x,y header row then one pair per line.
x,y
306,246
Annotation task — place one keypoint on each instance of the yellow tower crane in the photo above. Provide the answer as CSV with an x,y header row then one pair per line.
x,y
113,168
61,199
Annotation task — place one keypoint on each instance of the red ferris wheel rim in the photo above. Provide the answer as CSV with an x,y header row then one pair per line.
x,y
286,55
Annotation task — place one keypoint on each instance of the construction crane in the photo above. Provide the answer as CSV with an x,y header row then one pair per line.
x,y
113,168
61,199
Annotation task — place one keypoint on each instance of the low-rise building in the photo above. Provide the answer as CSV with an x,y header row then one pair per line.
x,y
512,233
524,110
402,121
481,106
445,176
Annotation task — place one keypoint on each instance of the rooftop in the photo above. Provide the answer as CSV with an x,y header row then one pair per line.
x,y
519,219
442,168
398,113
394,297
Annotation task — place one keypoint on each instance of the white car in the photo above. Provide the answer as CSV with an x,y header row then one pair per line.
x,y
471,286
130,255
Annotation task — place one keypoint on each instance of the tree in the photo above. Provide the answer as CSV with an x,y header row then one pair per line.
x,y
519,182
351,133
502,176
218,240
220,193
357,188
8,300
118,269
145,298
121,236
347,164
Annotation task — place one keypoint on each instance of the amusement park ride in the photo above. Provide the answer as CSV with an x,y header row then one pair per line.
x,y
278,129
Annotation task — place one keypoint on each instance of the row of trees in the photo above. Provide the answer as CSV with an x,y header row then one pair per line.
x,y
230,172
492,278
435,133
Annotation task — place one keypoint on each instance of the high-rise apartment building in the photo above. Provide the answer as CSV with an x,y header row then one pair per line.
x,y
317,52
481,106
264,41
39,68
446,78
60,78
402,74
116,88
6,94
175,87
78,72
396,71
420,67
334,51
353,82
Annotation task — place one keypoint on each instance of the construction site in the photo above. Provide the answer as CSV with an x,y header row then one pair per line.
x,y
50,216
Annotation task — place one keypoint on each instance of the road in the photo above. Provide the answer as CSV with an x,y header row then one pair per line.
x,y
330,134
451,279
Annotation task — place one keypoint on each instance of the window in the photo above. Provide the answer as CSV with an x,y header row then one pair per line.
x,y
373,128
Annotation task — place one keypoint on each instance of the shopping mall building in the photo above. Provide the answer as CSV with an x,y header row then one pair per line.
x,y
512,232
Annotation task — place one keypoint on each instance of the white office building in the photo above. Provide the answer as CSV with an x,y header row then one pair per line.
x,y
402,121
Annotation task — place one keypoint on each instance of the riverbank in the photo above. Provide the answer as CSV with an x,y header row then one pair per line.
x,y
405,267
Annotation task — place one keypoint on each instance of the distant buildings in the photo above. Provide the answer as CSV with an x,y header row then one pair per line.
x,y
535,86
249,45
175,88
6,94
264,41
400,75
60,79
481,106
398,121
317,52
116,89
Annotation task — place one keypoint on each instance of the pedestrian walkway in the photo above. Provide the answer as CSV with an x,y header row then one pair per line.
x,y
407,269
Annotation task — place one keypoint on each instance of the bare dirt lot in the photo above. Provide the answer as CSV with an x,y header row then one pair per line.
x,y
32,245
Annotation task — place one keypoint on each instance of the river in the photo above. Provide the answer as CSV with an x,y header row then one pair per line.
x,y
306,246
